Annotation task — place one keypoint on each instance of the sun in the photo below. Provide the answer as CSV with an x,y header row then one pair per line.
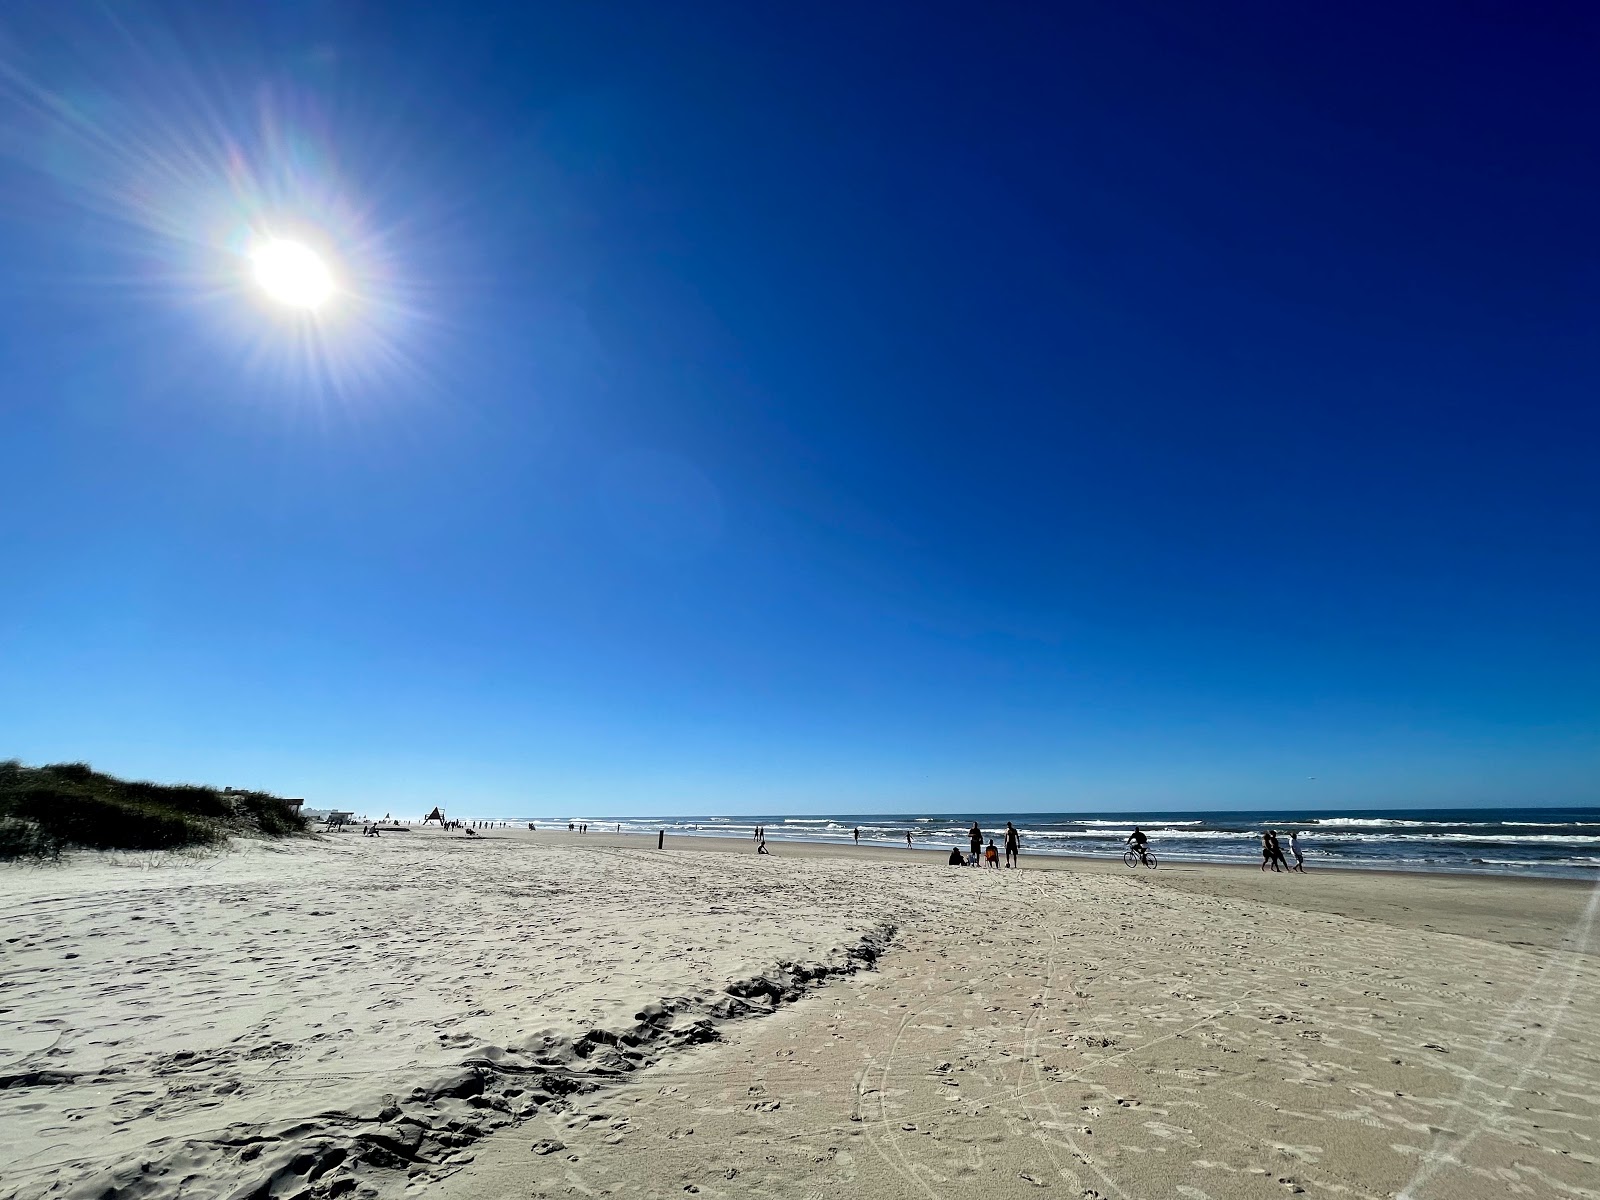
x,y
292,273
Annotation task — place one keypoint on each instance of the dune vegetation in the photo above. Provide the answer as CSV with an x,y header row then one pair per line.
x,y
47,810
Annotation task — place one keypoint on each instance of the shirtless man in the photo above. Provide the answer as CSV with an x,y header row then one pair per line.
x,y
1013,845
1270,854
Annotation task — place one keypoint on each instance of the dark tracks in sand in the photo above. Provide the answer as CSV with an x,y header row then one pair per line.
x,y
427,1132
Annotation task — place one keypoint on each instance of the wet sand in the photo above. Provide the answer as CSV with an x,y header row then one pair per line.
x,y
551,1014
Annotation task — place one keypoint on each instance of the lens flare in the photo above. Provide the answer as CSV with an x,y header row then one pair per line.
x,y
292,274
224,207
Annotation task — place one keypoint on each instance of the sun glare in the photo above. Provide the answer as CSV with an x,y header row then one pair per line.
x,y
292,274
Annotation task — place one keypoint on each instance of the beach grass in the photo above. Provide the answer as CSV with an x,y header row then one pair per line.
x,y
63,806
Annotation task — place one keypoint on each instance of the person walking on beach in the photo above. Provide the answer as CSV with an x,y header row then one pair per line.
x,y
858,835
1270,854
1294,849
1013,845
908,839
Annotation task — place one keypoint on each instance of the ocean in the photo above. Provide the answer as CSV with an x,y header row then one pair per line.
x,y
1548,842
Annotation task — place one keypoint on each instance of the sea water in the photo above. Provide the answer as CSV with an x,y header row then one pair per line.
x,y
1552,842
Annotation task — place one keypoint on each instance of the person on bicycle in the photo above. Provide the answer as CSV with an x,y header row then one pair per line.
x,y
1138,843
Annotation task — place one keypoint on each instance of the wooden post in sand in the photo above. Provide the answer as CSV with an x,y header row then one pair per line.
x,y
661,839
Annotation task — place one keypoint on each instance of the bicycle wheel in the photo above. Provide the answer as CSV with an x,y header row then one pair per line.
x,y
1129,858
1150,860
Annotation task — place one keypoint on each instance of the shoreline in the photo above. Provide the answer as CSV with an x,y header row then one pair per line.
x,y
1508,910
890,852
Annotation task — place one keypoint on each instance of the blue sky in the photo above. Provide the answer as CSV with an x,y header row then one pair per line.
x,y
917,408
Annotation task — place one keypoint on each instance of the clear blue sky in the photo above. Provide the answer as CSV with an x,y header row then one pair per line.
x,y
855,408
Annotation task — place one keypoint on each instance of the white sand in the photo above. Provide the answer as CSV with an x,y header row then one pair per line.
x,y
222,998
1100,1034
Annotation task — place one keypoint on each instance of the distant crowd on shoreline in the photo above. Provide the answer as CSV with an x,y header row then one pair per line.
x,y
978,853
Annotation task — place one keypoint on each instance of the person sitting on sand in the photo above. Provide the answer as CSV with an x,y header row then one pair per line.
x,y
1013,844
991,855
761,847
955,857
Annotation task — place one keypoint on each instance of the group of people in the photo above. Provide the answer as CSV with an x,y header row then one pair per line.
x,y
1272,852
438,815
979,853
989,855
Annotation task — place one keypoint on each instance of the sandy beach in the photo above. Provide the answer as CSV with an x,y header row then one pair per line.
x,y
547,1015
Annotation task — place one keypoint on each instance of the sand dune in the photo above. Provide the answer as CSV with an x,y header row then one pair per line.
x,y
544,1016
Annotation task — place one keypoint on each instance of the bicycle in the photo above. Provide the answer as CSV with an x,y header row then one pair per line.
x,y
1133,858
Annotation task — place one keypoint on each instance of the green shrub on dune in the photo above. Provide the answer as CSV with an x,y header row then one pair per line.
x,y
45,810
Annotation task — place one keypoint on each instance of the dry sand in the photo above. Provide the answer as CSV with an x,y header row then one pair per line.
x,y
545,1015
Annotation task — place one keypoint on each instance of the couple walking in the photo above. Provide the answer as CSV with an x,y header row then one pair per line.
x,y
1272,852
990,854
